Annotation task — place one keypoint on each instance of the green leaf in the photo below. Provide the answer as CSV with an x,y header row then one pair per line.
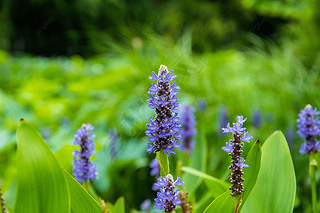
x,y
81,200
276,185
317,158
251,173
162,158
223,203
118,207
41,186
215,185
198,162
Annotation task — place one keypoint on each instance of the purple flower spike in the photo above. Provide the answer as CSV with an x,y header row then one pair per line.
x,y
155,168
163,130
256,118
168,198
146,205
83,168
188,131
309,128
234,148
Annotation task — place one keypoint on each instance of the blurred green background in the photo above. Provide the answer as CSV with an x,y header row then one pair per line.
x,y
64,63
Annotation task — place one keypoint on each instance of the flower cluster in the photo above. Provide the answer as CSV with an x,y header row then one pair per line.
x,y
83,168
168,198
188,131
163,130
234,148
309,128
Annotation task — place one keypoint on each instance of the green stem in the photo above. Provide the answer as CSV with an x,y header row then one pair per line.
x,y
163,162
312,173
86,185
236,204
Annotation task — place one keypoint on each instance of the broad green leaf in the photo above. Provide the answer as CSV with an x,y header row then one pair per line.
x,y
215,185
118,207
81,200
251,173
162,158
223,203
276,185
198,162
41,186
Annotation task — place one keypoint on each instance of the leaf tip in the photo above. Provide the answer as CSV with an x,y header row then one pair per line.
x,y
258,142
21,119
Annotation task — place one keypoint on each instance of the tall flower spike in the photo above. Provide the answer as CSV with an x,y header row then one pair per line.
x,y
83,168
168,198
163,130
309,128
188,131
234,148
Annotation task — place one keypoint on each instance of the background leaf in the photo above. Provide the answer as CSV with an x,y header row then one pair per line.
x,y
198,162
118,207
251,173
215,185
223,203
41,186
81,201
276,185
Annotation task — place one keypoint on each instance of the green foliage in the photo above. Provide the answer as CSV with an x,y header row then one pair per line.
x,y
223,203
198,162
251,173
43,186
276,185
118,207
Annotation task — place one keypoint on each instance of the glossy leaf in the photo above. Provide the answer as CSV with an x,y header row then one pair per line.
x,y
223,203
81,201
276,184
251,173
41,186
198,162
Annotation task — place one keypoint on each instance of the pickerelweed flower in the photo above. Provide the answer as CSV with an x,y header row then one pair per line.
x,y
168,198
146,206
188,131
163,130
83,168
234,148
155,167
223,117
256,121
185,205
309,128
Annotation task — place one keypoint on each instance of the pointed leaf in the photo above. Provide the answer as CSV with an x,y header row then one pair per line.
x,y
81,200
251,173
223,203
41,186
276,185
